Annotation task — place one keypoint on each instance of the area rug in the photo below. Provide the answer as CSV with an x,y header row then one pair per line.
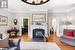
x,y
38,46
36,40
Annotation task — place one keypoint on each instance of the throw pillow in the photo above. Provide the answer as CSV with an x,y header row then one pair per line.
x,y
69,33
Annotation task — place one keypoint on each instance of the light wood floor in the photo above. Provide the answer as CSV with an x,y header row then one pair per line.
x,y
52,38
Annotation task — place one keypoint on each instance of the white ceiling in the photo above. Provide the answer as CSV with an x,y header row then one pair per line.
x,y
52,5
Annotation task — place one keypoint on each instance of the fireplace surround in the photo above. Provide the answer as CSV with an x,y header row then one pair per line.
x,y
40,28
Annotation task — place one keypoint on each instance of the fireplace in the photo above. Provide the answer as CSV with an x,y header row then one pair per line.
x,y
38,34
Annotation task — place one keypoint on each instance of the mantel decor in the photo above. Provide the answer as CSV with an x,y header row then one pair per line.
x,y
35,2
3,20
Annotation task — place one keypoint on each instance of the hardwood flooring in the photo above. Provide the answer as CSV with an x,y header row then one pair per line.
x,y
25,37
52,38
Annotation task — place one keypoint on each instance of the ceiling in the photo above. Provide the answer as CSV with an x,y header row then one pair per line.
x,y
52,5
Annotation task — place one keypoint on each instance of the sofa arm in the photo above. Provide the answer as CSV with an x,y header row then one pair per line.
x,y
69,37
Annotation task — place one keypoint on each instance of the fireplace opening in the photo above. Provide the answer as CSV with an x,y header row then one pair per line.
x,y
38,34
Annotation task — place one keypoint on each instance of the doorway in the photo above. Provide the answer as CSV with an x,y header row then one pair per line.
x,y
25,26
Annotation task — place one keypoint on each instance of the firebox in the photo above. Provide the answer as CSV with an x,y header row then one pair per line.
x,y
38,34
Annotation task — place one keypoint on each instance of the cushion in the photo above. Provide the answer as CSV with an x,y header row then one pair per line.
x,y
11,44
69,33
14,42
67,37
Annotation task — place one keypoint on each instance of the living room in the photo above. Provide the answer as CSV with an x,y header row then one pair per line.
x,y
51,24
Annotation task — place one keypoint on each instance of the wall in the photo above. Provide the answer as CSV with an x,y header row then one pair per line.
x,y
71,16
3,29
44,25
56,17
19,17
11,17
51,17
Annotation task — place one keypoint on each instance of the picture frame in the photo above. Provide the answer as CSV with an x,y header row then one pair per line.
x,y
39,17
3,20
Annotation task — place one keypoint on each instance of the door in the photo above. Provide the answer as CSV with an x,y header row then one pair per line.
x,y
25,26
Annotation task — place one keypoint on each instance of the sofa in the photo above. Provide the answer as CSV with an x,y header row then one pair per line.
x,y
68,37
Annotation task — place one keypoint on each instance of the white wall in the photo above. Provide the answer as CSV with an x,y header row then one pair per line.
x,y
11,17
56,17
20,17
71,16
3,29
49,15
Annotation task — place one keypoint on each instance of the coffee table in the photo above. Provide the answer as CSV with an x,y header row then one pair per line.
x,y
38,46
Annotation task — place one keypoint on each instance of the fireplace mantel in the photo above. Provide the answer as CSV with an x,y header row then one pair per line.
x,y
38,21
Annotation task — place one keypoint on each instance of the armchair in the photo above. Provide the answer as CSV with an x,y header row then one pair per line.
x,y
14,44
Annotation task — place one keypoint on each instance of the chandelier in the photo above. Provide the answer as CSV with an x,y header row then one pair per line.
x,y
35,2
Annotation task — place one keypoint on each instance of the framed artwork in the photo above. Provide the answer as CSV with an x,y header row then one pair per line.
x,y
3,20
38,17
